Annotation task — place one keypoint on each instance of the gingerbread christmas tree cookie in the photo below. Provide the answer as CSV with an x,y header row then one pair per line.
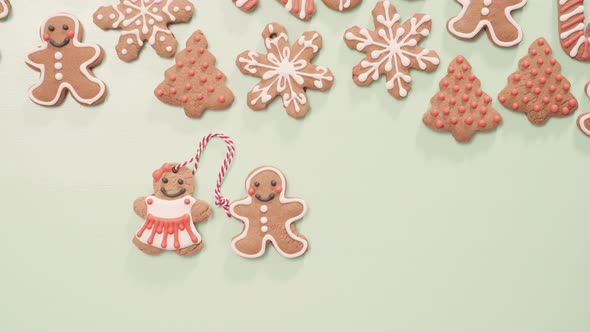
x,y
194,82
285,70
538,89
144,20
392,49
461,106
4,8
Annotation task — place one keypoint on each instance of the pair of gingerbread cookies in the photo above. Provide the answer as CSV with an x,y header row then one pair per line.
x,y
171,212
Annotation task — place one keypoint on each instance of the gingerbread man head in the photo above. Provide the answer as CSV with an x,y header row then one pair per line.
x,y
170,184
266,186
60,31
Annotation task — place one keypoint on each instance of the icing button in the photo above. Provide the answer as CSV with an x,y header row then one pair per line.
x,y
264,220
58,55
263,208
264,229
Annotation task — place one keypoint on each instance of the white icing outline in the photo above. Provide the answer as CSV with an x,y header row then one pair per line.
x,y
84,67
5,9
268,237
581,121
485,23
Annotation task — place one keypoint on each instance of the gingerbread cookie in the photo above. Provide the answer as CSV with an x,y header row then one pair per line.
x,y
538,88
493,15
584,119
170,213
268,216
144,20
461,107
573,31
392,49
285,70
194,82
302,9
65,64
4,8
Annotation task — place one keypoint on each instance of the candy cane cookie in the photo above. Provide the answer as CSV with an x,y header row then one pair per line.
x,y
572,29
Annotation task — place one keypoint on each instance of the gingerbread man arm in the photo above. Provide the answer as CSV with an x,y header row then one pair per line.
x,y
200,211
89,52
140,207
36,57
294,209
240,210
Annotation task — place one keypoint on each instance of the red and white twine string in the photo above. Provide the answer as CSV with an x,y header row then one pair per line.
x,y
229,156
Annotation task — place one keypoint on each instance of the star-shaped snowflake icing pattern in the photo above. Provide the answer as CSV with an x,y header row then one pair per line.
x,y
302,9
392,49
286,70
144,20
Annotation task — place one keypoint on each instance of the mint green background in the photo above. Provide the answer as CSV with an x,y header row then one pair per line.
x,y
409,231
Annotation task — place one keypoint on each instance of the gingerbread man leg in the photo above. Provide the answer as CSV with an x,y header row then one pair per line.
x,y
293,244
47,93
189,251
146,249
249,243
87,90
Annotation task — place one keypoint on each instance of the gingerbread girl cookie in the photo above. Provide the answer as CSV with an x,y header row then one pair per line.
x,y
4,8
268,216
65,64
285,70
170,212
144,20
493,15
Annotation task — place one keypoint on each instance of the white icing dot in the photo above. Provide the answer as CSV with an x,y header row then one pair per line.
x,y
99,16
58,65
155,9
128,10
124,51
138,22
485,11
129,41
176,9
264,229
162,38
59,76
169,48
151,21
263,208
264,220
112,16
188,8
58,56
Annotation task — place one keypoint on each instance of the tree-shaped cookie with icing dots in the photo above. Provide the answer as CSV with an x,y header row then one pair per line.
x,y
285,70
4,8
194,82
144,20
392,49
538,88
302,9
461,106
492,15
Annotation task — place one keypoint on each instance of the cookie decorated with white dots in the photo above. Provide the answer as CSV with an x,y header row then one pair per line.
x,y
144,21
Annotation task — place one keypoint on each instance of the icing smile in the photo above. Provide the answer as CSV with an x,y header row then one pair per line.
x,y
59,45
267,199
180,192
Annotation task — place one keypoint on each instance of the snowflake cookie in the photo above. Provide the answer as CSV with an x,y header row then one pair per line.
x,y
392,49
493,15
302,9
285,70
144,20
4,8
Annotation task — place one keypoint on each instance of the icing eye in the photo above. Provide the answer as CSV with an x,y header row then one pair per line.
x,y
65,27
256,184
180,181
273,183
165,180
51,28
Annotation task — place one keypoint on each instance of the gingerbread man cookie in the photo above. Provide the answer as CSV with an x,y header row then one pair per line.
x,y
65,64
391,49
4,8
302,9
268,216
493,15
169,214
285,70
144,20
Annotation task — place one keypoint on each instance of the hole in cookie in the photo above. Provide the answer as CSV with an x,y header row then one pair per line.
x,y
174,170
273,35
304,89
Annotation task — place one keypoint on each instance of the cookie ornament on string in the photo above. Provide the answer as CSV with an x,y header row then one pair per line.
x,y
461,106
392,49
583,121
65,64
194,82
268,216
144,20
285,70
4,8
302,9
171,211
573,30
492,15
